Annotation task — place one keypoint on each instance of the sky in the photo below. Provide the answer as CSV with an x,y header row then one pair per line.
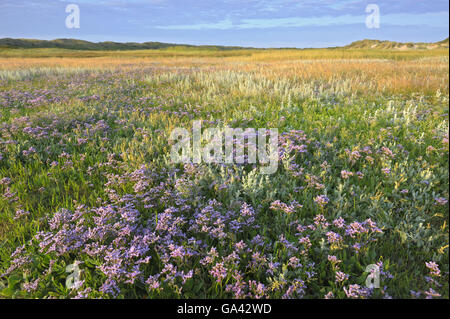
x,y
255,23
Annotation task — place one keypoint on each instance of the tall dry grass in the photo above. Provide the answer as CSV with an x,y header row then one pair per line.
x,y
358,71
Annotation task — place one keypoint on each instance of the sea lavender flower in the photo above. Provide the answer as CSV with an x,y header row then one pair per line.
x,y
434,268
306,242
110,287
357,247
258,240
341,277
387,152
5,181
441,201
177,252
346,174
339,222
21,213
298,287
240,245
321,200
257,288
354,156
247,210
333,259
219,271
333,237
355,228
320,220
212,254
430,149
329,295
153,282
431,293
28,152
281,207
272,267
83,294
31,286
372,226
8,194
294,262
356,291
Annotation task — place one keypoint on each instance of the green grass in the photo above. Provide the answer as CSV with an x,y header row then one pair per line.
x,y
202,52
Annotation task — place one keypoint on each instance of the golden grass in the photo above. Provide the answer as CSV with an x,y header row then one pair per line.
x,y
354,70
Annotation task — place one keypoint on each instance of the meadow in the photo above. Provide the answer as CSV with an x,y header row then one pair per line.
x,y
86,179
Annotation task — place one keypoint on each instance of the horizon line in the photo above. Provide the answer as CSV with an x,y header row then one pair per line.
x,y
217,45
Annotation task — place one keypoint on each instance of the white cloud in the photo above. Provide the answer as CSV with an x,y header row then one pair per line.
x,y
435,19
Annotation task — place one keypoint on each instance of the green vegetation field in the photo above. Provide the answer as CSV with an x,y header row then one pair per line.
x,y
86,179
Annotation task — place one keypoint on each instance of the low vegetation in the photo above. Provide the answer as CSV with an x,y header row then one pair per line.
x,y
86,178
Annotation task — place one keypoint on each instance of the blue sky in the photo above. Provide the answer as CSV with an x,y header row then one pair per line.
x,y
258,23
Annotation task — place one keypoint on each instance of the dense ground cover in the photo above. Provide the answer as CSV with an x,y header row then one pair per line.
x,y
86,178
